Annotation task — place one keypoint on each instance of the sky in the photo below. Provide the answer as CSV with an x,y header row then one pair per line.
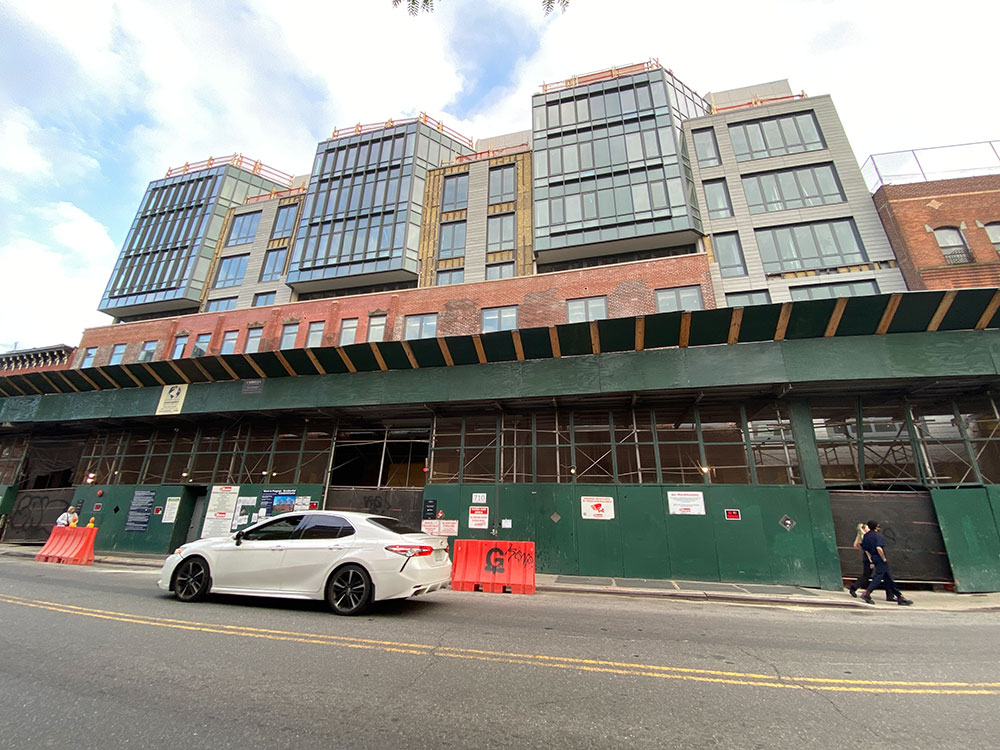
x,y
98,98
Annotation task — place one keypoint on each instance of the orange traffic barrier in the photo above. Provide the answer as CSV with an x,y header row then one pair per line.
x,y
493,567
72,545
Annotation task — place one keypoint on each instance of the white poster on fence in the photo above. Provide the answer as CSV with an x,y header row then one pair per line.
x,y
599,508
221,510
479,516
686,503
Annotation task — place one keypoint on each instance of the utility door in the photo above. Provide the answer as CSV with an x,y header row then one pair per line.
x,y
909,522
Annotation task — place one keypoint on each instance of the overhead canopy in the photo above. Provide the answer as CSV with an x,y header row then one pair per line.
x,y
886,314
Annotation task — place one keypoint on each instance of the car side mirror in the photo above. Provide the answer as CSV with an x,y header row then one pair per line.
x,y
238,536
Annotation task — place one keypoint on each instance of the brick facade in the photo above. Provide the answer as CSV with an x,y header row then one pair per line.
x,y
630,289
911,212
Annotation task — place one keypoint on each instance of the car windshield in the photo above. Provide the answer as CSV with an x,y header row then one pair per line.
x,y
393,524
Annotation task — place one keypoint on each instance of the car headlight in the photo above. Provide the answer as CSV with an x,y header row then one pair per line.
x,y
179,551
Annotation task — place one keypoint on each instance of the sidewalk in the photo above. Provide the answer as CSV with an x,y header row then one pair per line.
x,y
703,591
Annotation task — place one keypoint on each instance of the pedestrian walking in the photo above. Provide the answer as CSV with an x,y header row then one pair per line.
x,y
873,543
69,518
866,564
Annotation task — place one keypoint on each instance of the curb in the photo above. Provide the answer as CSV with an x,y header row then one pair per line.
x,y
703,596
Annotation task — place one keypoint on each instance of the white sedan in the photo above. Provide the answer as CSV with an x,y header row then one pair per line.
x,y
349,559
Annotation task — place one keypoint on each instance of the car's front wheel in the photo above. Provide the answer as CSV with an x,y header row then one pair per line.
x,y
349,590
192,580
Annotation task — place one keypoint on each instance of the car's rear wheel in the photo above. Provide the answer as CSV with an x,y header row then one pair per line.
x,y
192,580
349,590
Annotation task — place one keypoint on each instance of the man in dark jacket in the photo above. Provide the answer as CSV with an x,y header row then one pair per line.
x,y
873,544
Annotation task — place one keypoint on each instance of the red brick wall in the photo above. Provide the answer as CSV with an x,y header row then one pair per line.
x,y
906,212
630,289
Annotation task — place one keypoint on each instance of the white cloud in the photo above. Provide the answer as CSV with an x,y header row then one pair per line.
x,y
54,280
19,154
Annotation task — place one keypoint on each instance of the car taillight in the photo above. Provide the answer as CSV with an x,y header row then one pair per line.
x,y
411,550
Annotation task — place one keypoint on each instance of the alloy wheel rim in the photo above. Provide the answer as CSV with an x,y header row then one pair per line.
x,y
349,586
190,579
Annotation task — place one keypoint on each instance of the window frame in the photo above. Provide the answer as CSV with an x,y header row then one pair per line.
x,y
677,292
226,276
501,194
289,330
500,313
954,254
582,309
146,353
245,234
117,354
455,192
421,322
730,269
271,270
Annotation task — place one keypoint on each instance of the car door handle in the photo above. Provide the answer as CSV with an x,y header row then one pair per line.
x,y
277,548
336,546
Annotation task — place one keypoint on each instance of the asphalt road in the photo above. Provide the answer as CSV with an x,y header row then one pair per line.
x,y
98,657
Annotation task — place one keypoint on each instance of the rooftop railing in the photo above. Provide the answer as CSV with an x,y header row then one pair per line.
x,y
422,117
601,75
274,194
239,161
926,164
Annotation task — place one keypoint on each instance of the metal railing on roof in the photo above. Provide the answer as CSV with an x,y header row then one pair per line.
x,y
275,194
490,153
390,123
935,163
757,101
602,75
239,161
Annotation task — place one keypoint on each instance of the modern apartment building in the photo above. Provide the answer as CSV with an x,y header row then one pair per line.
x,y
785,211
650,297
164,265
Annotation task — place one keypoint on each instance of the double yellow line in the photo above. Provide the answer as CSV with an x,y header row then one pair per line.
x,y
537,660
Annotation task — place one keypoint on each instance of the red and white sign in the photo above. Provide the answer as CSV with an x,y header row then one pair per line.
x,y
479,516
449,528
733,514
598,508
686,503
439,527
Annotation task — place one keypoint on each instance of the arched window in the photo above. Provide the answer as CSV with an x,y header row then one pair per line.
x,y
952,245
993,232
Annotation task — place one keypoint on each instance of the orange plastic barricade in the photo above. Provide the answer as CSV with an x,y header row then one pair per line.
x,y
72,545
493,567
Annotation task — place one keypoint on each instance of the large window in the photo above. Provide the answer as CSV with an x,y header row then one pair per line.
x,y
679,298
828,291
231,271
777,136
376,328
179,343
792,188
500,233
952,245
823,244
499,319
452,240
586,309
348,331
742,299
243,229
729,253
274,264
88,357
500,270
253,340
450,276
229,342
456,192
993,232
220,305
117,354
420,326
705,147
284,222
717,198
147,351
200,348
502,184
314,334
289,332
263,299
